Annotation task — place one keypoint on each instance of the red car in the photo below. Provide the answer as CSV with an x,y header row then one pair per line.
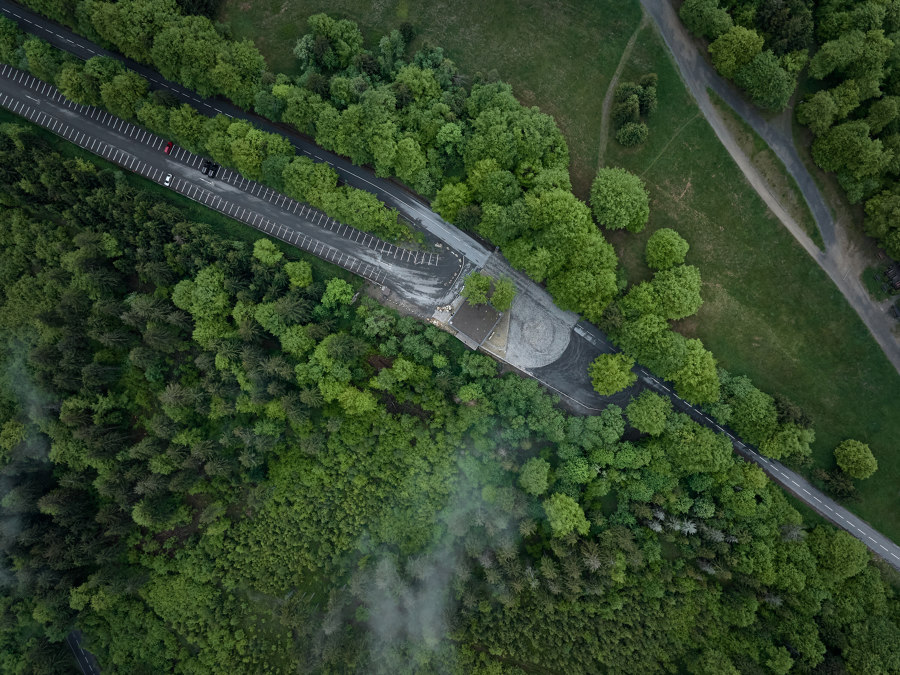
x,y
168,147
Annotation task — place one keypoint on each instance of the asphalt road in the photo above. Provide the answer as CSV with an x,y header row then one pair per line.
x,y
86,661
426,282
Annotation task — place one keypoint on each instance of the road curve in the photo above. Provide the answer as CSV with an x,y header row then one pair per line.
x,y
117,141
699,75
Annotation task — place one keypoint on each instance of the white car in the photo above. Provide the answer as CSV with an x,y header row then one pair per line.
x,y
168,180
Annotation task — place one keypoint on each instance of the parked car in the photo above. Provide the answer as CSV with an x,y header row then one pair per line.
x,y
169,146
168,181
212,170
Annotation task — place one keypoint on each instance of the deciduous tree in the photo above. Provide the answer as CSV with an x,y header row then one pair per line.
x,y
565,515
665,248
856,459
611,373
619,200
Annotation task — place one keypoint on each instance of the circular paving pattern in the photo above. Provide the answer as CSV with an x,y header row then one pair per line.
x,y
538,335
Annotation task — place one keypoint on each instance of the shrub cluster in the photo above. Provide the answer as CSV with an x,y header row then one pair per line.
x,y
634,102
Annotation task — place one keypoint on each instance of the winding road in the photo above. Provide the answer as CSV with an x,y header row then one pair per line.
x,y
843,269
424,279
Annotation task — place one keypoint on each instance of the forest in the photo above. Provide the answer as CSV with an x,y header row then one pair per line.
x,y
222,455
850,51
219,456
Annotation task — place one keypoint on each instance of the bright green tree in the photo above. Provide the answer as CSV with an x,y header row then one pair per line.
x,y
697,380
267,252
619,199
337,292
677,291
611,373
533,477
649,412
818,112
450,199
733,50
665,248
476,287
839,554
503,294
565,515
300,273
856,459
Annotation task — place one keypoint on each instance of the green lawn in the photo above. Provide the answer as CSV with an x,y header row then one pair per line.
x,y
559,56
769,312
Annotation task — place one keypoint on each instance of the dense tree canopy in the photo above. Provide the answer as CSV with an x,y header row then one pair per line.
x,y
238,457
224,462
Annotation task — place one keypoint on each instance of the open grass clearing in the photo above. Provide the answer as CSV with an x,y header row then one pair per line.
x,y
557,55
770,312
772,169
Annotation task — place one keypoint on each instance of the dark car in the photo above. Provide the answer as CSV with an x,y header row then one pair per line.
x,y
212,170
169,147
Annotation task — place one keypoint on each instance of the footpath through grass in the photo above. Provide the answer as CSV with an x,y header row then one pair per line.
x,y
772,169
769,311
557,55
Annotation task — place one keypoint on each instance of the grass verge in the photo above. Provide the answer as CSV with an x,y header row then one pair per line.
x,y
772,169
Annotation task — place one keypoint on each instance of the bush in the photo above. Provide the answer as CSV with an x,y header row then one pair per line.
x,y
649,80
648,101
665,248
618,199
633,133
627,112
626,90
856,459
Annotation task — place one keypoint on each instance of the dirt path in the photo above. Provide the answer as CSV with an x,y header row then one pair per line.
x,y
611,89
841,259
